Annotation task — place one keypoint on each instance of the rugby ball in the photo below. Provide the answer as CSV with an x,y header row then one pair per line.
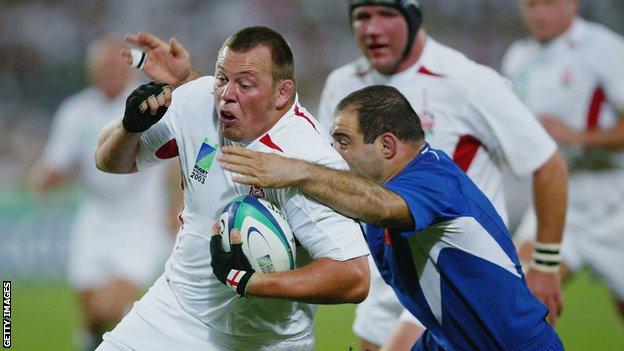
x,y
268,241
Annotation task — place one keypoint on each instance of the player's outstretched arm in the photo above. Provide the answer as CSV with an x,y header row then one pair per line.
x,y
324,281
118,145
352,195
168,63
550,195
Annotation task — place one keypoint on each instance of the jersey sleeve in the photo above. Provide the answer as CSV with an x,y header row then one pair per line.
x,y
506,126
610,70
322,231
63,147
508,61
154,141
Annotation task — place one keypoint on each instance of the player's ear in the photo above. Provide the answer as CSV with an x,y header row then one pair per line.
x,y
388,143
285,90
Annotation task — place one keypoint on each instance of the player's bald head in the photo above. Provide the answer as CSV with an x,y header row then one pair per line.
x,y
106,67
547,19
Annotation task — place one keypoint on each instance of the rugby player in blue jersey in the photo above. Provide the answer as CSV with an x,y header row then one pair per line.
x,y
436,239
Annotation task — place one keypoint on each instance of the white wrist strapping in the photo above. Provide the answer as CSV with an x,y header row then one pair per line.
x,y
546,257
138,58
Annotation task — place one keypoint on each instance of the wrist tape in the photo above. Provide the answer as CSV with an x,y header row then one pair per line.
x,y
546,257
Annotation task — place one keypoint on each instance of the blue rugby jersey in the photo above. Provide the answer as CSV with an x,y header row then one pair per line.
x,y
457,271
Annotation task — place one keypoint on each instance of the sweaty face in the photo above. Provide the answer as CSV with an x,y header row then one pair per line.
x,y
381,33
363,159
547,19
244,93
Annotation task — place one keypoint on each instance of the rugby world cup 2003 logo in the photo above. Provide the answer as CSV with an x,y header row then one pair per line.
x,y
203,162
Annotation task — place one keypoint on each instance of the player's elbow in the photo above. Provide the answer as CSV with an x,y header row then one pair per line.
x,y
100,163
103,163
106,164
359,292
555,168
359,284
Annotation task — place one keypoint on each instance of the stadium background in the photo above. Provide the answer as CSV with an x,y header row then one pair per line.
x,y
41,62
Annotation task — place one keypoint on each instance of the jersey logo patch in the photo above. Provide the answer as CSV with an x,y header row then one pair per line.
x,y
257,192
427,120
203,162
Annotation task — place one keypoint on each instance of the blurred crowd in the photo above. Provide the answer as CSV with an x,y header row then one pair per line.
x,y
42,44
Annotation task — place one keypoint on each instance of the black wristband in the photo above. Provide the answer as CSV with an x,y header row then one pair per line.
x,y
231,268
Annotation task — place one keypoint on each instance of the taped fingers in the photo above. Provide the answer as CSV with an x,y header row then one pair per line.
x,y
138,58
153,104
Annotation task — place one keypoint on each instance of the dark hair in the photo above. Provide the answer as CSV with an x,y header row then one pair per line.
x,y
381,109
249,38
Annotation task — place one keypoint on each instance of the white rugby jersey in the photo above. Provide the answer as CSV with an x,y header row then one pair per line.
x,y
110,198
466,109
577,77
190,129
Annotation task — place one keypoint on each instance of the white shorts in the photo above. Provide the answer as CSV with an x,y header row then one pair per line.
x,y
594,230
377,316
158,322
100,251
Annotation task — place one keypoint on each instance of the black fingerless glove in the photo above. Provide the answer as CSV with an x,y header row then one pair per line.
x,y
231,268
134,120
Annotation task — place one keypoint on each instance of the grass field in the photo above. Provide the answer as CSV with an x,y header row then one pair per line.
x,y
44,317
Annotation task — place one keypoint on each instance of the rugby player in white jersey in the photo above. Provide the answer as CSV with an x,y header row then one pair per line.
x,y
112,256
570,75
251,101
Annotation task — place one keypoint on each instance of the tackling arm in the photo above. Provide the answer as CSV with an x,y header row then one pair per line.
x,y
345,192
354,196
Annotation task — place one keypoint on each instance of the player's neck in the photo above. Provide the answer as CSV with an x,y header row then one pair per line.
x,y
405,154
566,29
276,116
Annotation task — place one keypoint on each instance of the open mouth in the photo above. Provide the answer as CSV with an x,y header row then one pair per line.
x,y
226,118
376,48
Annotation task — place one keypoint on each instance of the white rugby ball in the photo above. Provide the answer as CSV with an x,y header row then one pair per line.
x,y
268,241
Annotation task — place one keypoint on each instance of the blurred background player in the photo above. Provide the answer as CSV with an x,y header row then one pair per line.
x,y
570,74
115,250
468,111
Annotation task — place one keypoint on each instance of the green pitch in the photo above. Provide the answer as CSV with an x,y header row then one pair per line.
x,y
44,317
